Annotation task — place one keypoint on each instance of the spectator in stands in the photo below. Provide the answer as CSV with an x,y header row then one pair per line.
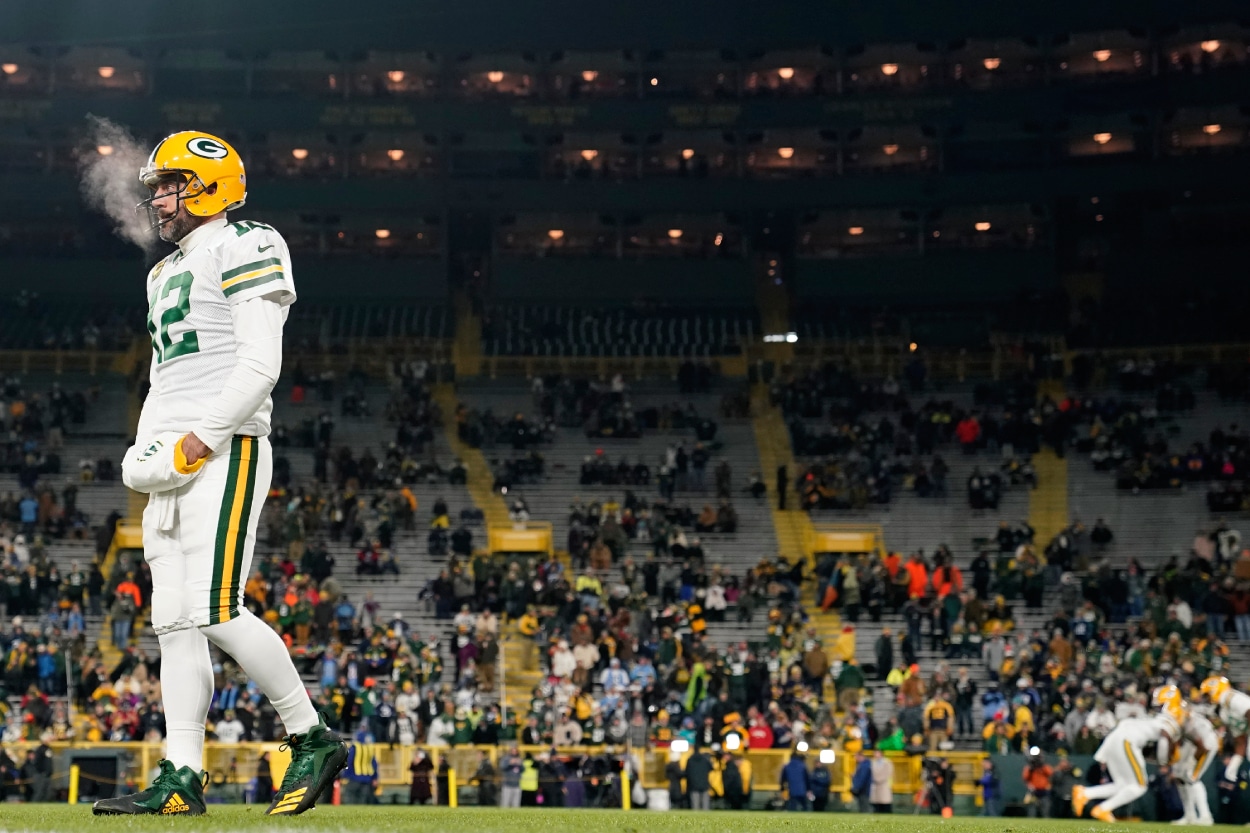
x,y
796,781
1101,535
939,722
991,790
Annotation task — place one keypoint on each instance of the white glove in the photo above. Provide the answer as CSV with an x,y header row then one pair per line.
x,y
159,465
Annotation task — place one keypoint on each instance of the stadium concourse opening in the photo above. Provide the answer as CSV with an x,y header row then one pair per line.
x,y
810,410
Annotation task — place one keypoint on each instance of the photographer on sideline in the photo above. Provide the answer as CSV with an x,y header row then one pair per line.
x,y
1037,774
939,782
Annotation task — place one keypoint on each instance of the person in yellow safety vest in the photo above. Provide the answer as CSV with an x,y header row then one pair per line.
x,y
715,778
844,645
529,782
744,771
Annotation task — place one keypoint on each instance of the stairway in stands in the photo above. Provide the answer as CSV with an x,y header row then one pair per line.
x,y
792,526
480,479
550,499
1048,503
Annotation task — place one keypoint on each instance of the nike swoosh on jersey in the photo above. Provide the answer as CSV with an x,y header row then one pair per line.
x,y
264,248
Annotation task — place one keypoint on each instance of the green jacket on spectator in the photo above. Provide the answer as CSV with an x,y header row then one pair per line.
x,y
463,735
893,742
851,678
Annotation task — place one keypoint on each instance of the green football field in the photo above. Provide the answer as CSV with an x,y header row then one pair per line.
x,y
225,819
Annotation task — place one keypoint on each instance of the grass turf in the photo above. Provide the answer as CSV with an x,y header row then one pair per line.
x,y
19,818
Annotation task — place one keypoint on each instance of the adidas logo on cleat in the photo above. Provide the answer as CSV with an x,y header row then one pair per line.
x,y
289,802
175,804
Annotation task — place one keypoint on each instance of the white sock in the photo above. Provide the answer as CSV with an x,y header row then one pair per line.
x,y
186,693
263,656
1198,797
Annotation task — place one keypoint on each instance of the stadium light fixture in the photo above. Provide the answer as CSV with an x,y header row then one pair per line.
x,y
106,72
679,746
785,73
395,154
785,153
687,153
9,69
828,756
911,348
1211,129
655,82
104,150
1102,55
855,231
589,75
300,153
1102,138
720,238
1209,46
395,76
494,76
382,233
889,69
992,63
674,234
889,150
556,233
589,154
982,226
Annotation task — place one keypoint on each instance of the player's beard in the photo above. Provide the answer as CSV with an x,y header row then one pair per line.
x,y
176,227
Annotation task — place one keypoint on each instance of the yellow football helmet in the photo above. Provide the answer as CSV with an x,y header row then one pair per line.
x,y
1168,698
202,160
1214,688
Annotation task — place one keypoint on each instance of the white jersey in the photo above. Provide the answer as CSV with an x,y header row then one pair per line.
x,y
1137,732
189,318
1233,711
1197,728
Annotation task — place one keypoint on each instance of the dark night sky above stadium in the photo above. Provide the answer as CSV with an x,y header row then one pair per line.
x,y
483,25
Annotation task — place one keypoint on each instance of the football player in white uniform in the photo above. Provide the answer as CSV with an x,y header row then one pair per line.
x,y
1233,706
1200,745
216,308
1121,756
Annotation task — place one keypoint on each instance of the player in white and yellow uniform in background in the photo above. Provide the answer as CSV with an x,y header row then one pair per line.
x,y
216,309
1200,745
1121,756
1232,706
1232,709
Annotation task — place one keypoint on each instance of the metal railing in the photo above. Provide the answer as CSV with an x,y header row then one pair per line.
x,y
236,764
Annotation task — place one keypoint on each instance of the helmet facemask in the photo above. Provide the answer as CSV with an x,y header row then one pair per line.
x,y
189,186
152,179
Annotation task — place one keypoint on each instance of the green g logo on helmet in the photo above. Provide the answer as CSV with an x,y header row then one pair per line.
x,y
208,147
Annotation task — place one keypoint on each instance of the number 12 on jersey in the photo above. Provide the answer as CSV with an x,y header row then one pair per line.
x,y
162,341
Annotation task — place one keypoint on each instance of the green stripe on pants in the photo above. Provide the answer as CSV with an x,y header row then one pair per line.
x,y
223,532
251,449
